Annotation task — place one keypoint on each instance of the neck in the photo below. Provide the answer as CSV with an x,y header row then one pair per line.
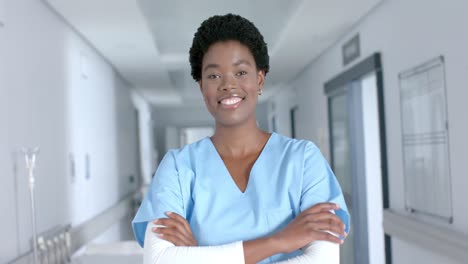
x,y
238,140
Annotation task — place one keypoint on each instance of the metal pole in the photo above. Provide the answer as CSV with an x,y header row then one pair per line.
x,y
30,158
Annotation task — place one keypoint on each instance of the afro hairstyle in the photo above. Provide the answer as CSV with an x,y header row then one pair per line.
x,y
225,28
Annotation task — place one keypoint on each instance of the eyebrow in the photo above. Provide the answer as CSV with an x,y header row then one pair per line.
x,y
237,63
212,65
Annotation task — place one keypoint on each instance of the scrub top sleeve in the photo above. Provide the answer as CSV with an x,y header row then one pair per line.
x,y
163,195
320,184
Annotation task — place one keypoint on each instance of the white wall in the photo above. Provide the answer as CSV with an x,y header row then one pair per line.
x,y
373,169
172,137
46,102
146,135
194,134
176,118
407,33
280,107
262,115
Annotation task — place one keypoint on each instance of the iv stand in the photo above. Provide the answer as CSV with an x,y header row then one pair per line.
x,y
30,158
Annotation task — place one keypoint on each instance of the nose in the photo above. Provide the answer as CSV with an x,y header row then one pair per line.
x,y
229,82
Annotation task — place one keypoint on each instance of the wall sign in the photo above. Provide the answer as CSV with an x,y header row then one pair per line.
x,y
425,140
351,50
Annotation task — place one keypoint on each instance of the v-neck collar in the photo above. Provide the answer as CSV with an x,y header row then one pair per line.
x,y
231,179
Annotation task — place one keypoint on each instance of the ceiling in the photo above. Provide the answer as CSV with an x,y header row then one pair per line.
x,y
147,41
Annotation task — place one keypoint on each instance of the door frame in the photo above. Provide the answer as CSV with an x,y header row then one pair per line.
x,y
333,87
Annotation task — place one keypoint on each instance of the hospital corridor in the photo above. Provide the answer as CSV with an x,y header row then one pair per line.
x,y
94,93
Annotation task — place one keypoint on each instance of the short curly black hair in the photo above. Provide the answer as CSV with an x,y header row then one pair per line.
x,y
224,28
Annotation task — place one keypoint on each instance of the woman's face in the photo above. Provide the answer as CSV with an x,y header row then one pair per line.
x,y
230,83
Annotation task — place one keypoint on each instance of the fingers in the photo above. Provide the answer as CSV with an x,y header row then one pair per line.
x,y
174,236
180,220
174,221
327,226
327,221
175,229
327,237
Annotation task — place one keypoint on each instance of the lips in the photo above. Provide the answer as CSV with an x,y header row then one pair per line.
x,y
231,101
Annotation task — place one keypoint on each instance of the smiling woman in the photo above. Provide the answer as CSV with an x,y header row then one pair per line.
x,y
230,83
242,195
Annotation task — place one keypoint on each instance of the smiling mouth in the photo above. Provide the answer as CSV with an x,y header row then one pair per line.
x,y
231,102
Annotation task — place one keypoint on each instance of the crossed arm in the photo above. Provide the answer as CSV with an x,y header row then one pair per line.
x,y
311,230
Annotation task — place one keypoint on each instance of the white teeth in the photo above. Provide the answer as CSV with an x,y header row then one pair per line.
x,y
231,100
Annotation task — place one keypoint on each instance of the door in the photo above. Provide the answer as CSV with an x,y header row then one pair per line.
x,y
341,163
357,149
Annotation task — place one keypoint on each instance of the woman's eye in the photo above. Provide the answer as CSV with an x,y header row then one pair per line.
x,y
213,76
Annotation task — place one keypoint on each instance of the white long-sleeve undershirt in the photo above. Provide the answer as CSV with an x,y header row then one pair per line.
x,y
159,251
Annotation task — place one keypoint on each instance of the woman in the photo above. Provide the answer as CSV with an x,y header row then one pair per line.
x,y
243,195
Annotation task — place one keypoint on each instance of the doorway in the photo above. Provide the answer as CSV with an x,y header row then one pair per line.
x,y
358,158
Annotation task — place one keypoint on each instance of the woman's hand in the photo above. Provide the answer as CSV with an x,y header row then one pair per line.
x,y
313,224
176,230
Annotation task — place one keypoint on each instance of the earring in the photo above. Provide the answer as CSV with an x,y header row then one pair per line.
x,y
260,92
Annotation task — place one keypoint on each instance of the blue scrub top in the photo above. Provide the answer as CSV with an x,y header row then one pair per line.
x,y
288,177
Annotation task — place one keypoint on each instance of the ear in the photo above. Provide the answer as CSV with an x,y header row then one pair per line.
x,y
260,79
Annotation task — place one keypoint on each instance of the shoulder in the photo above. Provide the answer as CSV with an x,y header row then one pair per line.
x,y
301,152
293,145
188,155
180,164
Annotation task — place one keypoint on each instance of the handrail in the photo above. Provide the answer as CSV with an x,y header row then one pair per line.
x,y
87,231
436,237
